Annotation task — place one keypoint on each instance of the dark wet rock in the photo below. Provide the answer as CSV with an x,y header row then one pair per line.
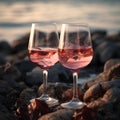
x,y
21,86
20,44
55,74
115,38
21,55
4,88
98,33
9,71
6,114
97,41
11,58
11,75
59,74
3,108
2,99
105,47
2,59
53,38
5,47
34,77
106,51
24,66
11,98
28,94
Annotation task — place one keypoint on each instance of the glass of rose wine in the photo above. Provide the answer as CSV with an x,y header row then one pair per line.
x,y
75,52
43,51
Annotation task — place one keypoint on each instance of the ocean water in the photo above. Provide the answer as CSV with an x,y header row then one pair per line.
x,y
16,16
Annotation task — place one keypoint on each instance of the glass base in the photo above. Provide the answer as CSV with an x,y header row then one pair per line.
x,y
73,105
50,101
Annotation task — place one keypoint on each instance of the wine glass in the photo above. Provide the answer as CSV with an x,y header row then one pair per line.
x,y
43,51
75,52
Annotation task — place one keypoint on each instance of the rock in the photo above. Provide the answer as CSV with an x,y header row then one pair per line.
x,y
67,95
21,86
110,84
11,58
20,44
53,38
5,88
110,72
110,63
5,47
10,100
65,76
56,74
55,90
62,114
107,104
102,44
9,71
115,38
11,75
28,94
2,60
114,72
106,51
5,114
103,92
24,66
112,95
34,77
109,110
98,79
94,92
21,55
98,34
95,104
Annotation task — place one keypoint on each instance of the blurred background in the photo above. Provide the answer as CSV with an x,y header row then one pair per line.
x,y
16,16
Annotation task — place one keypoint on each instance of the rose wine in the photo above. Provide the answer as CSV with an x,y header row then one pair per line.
x,y
75,58
45,58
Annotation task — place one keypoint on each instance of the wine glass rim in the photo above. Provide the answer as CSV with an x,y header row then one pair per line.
x,y
44,23
76,24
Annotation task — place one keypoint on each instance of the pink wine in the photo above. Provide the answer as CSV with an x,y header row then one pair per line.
x,y
45,58
75,58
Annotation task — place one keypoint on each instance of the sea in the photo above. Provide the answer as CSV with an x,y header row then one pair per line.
x,y
16,16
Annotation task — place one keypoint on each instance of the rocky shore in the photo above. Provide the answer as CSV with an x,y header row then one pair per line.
x,y
21,80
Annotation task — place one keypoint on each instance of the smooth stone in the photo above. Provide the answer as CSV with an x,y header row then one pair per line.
x,y
62,114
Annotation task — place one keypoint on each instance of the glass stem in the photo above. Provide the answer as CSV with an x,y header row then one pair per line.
x,y
75,87
45,77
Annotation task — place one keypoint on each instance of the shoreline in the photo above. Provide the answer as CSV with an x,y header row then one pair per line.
x,y
19,33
